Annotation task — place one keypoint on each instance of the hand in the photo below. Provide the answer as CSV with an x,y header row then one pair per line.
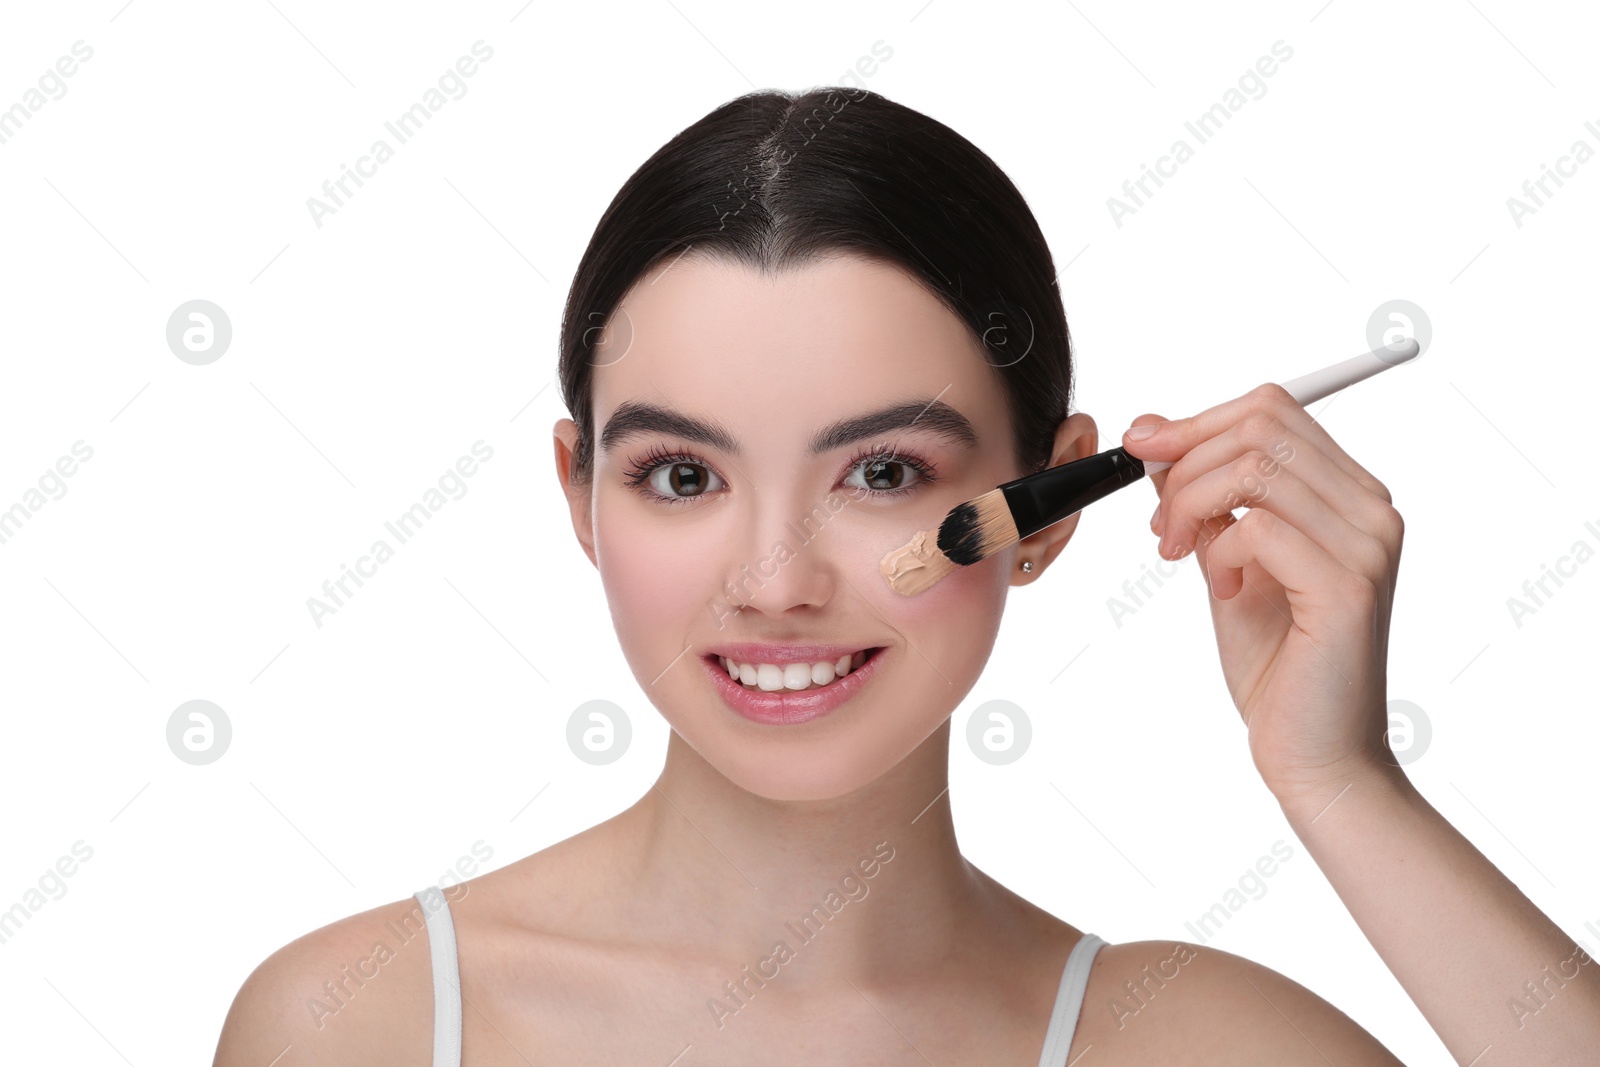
x,y
1301,585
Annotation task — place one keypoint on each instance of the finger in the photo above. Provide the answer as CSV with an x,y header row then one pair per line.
x,y
1159,478
1264,432
1177,436
1305,571
1241,484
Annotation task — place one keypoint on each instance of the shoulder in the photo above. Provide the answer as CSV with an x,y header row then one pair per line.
x,y
357,990
1147,1000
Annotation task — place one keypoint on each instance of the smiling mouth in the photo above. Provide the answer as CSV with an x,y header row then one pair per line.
x,y
793,677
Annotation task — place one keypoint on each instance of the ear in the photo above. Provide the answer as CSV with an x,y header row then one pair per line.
x,y
1076,438
578,496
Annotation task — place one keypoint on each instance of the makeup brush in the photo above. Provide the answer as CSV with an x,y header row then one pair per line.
x,y
1005,515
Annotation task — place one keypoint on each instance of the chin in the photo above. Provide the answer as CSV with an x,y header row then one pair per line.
x,y
831,762
802,776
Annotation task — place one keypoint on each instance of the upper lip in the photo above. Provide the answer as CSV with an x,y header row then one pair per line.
x,y
781,655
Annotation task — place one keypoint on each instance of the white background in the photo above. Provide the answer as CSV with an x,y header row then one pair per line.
x,y
370,754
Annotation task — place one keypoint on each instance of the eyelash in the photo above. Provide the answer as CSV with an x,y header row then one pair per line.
x,y
659,457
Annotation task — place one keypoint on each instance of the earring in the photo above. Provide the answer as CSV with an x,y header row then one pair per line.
x,y
1027,566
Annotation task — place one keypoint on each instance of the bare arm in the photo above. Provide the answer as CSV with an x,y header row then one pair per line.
x,y
1301,594
1496,979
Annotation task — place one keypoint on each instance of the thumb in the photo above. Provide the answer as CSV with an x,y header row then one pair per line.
x,y
1159,478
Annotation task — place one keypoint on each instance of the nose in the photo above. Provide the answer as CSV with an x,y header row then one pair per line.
x,y
782,556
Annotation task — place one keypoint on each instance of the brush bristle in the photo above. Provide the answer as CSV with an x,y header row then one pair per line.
x,y
977,529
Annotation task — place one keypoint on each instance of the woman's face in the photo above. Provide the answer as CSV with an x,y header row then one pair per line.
x,y
772,531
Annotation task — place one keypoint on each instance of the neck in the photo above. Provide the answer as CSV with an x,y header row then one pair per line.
x,y
718,871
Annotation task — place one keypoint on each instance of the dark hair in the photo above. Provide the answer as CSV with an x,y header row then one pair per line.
x,y
775,179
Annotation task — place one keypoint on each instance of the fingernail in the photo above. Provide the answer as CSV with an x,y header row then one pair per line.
x,y
1155,516
1139,433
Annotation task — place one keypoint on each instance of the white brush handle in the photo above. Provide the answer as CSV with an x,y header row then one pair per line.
x,y
1309,388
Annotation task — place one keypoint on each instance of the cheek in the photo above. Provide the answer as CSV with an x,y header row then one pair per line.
x,y
953,625
655,579
944,636
664,581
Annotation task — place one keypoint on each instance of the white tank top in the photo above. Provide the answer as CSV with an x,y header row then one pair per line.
x,y
447,987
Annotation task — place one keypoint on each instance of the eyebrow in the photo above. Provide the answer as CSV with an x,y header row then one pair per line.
x,y
634,418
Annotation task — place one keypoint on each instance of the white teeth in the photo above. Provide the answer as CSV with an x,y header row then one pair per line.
x,y
771,677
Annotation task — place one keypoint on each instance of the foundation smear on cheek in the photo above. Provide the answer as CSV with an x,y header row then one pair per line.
x,y
916,566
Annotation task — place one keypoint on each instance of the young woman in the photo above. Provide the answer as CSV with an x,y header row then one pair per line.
x,y
804,329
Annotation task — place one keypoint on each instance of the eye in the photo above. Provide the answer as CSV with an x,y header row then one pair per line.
x,y
680,478
889,473
673,477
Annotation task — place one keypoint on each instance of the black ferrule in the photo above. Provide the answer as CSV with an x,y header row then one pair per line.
x,y
1044,499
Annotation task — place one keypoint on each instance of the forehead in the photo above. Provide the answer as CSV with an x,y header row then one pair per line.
x,y
799,348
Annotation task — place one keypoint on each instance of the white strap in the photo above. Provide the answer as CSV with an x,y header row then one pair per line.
x,y
1069,1000
446,977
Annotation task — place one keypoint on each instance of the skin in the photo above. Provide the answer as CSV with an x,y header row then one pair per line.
x,y
1302,588
606,947
716,337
